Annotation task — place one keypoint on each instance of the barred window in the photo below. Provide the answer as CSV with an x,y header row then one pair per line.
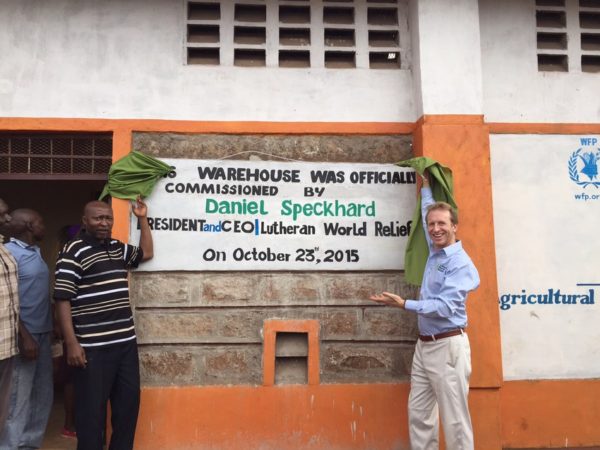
x,y
337,34
568,35
28,155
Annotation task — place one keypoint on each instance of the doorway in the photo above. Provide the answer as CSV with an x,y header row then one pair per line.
x,y
60,203
55,174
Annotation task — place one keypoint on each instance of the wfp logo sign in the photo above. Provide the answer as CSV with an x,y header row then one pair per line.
x,y
583,167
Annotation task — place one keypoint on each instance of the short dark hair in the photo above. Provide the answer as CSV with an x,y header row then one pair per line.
x,y
443,206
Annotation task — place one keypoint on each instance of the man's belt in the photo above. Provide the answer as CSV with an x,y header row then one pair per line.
x,y
435,337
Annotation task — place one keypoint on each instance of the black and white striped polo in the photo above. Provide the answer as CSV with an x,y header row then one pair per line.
x,y
92,275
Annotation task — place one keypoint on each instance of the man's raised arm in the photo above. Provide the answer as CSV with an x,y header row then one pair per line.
x,y
140,209
426,201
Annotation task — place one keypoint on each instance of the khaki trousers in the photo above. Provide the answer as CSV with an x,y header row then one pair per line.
x,y
439,386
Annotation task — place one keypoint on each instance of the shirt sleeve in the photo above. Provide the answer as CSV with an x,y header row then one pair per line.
x,y
458,283
426,201
13,249
132,256
67,274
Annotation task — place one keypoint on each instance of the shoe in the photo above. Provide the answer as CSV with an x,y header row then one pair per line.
x,y
68,434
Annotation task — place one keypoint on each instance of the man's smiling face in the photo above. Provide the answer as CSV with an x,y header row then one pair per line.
x,y
440,228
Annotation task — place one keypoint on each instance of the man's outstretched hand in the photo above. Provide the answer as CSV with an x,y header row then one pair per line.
x,y
387,298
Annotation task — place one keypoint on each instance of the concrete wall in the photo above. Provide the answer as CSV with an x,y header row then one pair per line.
x,y
115,59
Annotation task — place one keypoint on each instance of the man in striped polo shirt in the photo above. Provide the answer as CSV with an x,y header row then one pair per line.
x,y
92,302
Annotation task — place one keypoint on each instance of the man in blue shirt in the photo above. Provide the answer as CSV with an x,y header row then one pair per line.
x,y
32,389
442,361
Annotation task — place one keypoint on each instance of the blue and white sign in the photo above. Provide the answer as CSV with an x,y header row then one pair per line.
x,y
546,194
583,168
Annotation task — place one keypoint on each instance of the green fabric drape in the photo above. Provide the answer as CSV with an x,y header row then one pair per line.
x,y
134,174
417,251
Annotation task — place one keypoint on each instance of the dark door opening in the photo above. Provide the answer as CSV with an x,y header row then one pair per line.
x,y
60,203
55,174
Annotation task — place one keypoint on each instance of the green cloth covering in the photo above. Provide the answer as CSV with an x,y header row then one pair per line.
x,y
134,175
417,250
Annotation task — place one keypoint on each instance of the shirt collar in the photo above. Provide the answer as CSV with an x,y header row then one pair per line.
x,y
92,240
23,244
451,249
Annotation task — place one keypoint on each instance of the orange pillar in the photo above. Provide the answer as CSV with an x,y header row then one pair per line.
x,y
462,143
121,147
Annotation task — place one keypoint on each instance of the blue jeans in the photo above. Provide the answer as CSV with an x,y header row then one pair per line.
x,y
30,399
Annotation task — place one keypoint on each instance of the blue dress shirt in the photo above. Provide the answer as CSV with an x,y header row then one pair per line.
x,y
449,276
34,286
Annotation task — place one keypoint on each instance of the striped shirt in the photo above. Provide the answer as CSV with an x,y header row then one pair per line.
x,y
9,304
92,275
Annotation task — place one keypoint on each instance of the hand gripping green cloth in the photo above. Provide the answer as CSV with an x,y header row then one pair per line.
x,y
417,250
133,175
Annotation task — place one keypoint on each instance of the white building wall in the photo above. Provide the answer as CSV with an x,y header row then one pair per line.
x,y
513,89
546,222
116,59
545,207
446,47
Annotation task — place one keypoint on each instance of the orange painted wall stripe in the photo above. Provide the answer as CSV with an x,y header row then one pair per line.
x,y
277,418
532,414
544,128
185,126
352,128
550,413
451,119
291,417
